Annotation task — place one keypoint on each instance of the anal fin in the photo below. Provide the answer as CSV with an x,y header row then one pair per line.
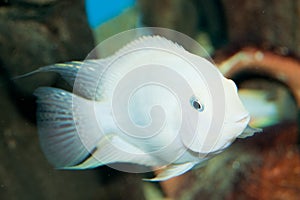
x,y
172,171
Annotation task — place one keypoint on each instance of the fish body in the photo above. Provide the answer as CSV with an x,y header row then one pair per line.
x,y
103,122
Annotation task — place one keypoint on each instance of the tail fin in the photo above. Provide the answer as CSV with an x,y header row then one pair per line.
x,y
59,132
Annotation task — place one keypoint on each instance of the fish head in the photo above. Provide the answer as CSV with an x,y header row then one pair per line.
x,y
236,112
235,119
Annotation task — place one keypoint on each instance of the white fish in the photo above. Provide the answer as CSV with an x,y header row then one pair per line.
x,y
68,123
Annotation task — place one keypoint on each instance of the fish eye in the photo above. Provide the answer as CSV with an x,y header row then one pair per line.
x,y
196,104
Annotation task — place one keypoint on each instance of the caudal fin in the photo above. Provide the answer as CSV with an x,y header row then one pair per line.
x,y
59,132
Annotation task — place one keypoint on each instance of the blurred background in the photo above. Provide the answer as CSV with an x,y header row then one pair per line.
x,y
256,43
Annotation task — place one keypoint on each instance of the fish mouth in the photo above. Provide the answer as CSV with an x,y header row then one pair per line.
x,y
244,119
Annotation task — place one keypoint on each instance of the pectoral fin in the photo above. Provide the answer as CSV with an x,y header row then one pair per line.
x,y
171,171
249,131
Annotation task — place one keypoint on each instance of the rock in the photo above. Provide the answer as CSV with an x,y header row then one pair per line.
x,y
179,15
38,34
268,24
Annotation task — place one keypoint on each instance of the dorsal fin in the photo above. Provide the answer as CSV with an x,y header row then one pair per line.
x,y
150,41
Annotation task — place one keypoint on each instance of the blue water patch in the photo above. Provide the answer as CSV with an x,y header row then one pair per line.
x,y
100,11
